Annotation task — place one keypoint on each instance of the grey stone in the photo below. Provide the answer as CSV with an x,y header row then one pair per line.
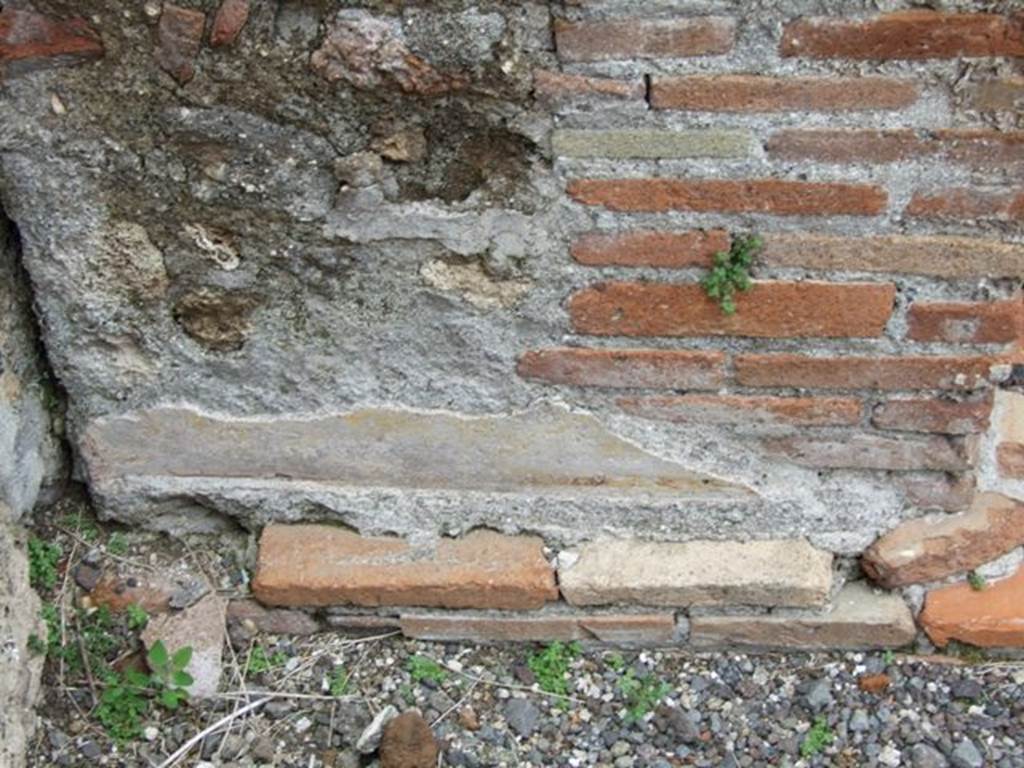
x,y
859,721
522,716
369,739
926,756
200,627
651,144
966,755
819,695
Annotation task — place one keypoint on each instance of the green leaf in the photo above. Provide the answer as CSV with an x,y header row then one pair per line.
x,y
157,656
182,657
183,679
169,699
137,678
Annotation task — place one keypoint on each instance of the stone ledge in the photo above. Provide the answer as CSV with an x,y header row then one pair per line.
x,y
858,619
764,573
644,629
319,565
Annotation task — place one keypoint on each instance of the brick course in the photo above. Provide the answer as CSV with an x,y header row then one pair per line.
x,y
642,39
967,204
911,34
869,451
758,93
855,372
933,415
966,322
650,248
747,409
775,196
770,309
625,368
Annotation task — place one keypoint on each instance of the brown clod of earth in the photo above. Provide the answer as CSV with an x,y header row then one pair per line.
x,y
408,743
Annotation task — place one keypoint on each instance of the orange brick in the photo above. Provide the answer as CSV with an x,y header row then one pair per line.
x,y
625,368
933,415
869,451
1010,457
31,41
650,248
991,322
755,93
991,617
318,565
786,198
978,148
770,309
848,372
937,490
747,409
965,204
641,39
919,255
913,34
560,87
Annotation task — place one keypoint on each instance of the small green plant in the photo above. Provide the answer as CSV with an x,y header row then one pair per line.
x,y
731,272
615,661
43,558
642,694
117,544
818,737
339,684
80,524
407,693
551,666
977,581
136,616
421,668
260,661
888,658
169,677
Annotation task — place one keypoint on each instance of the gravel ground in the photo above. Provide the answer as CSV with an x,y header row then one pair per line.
x,y
486,704
718,710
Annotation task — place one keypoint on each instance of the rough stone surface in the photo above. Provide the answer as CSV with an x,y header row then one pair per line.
x,y
309,565
990,617
858,619
934,547
20,669
200,627
650,144
765,573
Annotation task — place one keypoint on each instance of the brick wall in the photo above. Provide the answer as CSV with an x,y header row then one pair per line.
x,y
425,269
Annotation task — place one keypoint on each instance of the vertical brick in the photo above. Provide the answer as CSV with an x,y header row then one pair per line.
x,y
747,409
770,309
642,39
967,204
228,22
757,93
775,196
31,41
933,415
650,248
851,372
625,368
990,322
912,34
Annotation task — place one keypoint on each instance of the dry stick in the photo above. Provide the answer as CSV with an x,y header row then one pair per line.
x,y
185,748
61,600
85,662
127,561
456,705
514,687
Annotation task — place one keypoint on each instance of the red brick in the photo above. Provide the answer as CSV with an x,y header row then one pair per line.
x,y
933,415
869,451
31,41
990,322
980,148
317,565
848,372
650,248
626,368
920,255
747,409
966,204
228,23
1010,457
179,37
912,34
559,88
785,198
991,618
934,547
769,309
755,93
641,39
621,629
